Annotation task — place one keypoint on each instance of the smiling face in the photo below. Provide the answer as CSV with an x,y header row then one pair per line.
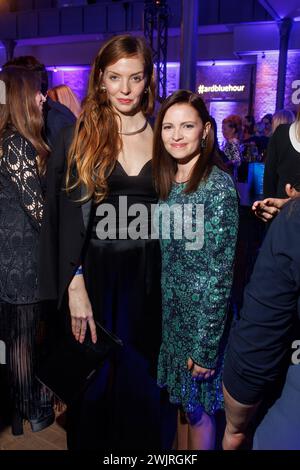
x,y
125,84
182,131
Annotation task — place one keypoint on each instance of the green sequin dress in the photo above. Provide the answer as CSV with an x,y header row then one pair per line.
x,y
196,286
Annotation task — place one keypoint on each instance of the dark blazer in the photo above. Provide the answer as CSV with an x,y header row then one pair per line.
x,y
64,224
57,117
270,316
262,360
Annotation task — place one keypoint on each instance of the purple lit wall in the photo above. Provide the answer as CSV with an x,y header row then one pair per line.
x,y
173,72
219,106
223,103
221,109
292,84
266,84
75,77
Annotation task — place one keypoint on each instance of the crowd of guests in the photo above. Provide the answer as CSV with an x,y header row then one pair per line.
x,y
246,140
64,169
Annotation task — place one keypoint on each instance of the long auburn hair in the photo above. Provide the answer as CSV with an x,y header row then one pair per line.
x,y
165,166
96,142
20,110
235,122
63,94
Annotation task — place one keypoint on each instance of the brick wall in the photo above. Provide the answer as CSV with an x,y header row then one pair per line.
x,y
264,90
222,104
221,109
266,84
293,73
76,78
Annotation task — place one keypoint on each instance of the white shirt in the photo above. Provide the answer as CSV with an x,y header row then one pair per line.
x,y
293,138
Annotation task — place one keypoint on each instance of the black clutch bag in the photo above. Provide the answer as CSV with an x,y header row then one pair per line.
x,y
69,367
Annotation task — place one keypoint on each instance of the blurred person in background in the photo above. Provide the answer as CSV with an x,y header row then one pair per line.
x,y
232,132
283,116
56,115
283,159
248,127
64,95
267,125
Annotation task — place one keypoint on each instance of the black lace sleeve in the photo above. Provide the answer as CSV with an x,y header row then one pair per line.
x,y
19,162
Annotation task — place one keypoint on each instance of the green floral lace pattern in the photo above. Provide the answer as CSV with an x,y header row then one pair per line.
x,y
196,287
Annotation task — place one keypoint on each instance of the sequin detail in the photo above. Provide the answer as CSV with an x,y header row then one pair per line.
x,y
195,287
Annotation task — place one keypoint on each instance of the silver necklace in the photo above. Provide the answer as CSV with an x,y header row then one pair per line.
x,y
136,132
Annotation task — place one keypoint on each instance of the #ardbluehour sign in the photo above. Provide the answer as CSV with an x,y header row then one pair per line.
x,y
224,82
2,352
220,88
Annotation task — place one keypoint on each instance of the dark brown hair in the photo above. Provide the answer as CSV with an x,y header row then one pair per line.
x,y
164,165
20,110
29,62
97,143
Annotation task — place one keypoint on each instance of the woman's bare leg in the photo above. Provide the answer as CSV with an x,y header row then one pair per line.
x,y
182,431
201,432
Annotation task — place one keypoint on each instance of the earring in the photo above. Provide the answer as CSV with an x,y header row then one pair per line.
x,y
203,143
103,88
146,91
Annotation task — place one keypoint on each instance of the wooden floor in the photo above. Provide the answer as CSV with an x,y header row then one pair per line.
x,y
51,438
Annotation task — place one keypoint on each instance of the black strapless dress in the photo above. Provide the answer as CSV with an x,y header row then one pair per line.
x,y
122,277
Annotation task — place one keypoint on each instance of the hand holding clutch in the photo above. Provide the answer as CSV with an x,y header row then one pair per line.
x,y
70,366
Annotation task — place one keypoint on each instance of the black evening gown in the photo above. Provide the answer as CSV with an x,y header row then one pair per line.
x,y
123,408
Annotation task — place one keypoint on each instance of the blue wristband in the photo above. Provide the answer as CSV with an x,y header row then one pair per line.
x,y
79,271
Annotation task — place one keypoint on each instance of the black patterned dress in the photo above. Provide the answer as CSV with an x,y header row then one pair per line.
x,y
21,209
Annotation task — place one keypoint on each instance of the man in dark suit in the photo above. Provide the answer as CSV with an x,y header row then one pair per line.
x,y
57,116
262,368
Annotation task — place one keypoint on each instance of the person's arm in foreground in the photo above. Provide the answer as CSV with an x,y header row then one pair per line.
x,y
261,340
268,208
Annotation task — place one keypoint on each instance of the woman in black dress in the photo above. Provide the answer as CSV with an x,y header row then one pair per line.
x,y
22,163
99,257
282,171
282,165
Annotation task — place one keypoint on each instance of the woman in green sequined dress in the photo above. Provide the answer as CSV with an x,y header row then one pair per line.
x,y
197,265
